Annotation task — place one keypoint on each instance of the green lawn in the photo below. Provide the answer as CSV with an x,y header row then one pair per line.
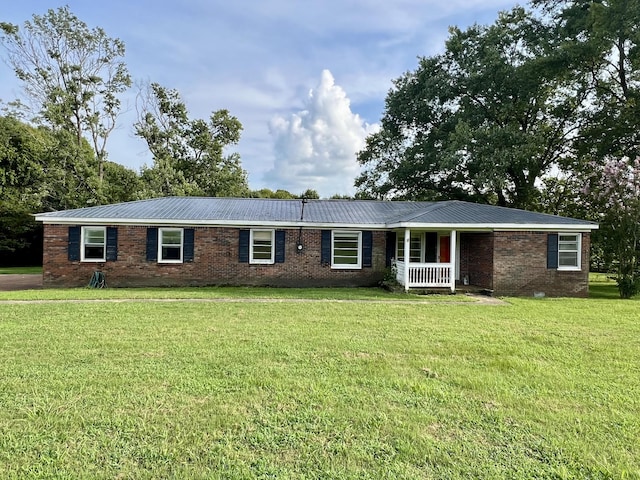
x,y
20,270
536,388
602,285
238,293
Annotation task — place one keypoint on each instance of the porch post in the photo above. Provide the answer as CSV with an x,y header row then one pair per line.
x,y
407,254
453,260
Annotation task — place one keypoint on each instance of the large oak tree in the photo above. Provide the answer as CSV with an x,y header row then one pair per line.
x,y
601,41
485,120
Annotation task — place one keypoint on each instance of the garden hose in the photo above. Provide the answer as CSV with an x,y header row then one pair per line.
x,y
97,280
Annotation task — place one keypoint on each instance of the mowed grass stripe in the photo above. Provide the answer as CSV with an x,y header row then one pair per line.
x,y
210,293
541,389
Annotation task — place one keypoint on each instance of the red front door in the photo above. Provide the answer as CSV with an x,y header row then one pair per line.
x,y
445,249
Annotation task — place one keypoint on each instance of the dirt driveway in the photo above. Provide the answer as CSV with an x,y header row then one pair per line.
x,y
20,282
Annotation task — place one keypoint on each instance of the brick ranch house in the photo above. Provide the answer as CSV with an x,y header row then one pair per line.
x,y
243,241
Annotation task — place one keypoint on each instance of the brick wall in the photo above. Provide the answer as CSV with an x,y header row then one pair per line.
x,y
520,267
476,258
215,262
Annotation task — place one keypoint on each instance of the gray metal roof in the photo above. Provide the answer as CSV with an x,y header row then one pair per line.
x,y
457,212
257,211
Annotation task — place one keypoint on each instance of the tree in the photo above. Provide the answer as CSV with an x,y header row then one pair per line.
x,y
22,184
33,179
484,121
188,154
311,194
22,174
615,189
268,193
42,170
71,173
601,40
340,196
72,73
121,184
163,179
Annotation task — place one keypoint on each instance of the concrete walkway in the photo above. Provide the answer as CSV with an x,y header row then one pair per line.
x,y
20,282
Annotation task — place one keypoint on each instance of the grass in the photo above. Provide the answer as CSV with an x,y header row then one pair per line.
x,y
538,388
602,285
210,293
20,270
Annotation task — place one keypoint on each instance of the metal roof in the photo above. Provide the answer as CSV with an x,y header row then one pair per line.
x,y
458,212
356,213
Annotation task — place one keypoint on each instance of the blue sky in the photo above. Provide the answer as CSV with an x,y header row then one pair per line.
x,y
307,80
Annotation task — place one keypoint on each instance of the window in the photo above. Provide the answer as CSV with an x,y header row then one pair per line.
x,y
345,249
415,248
569,251
422,247
94,242
170,245
400,248
261,246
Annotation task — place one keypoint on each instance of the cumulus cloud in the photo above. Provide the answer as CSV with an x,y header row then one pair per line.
x,y
316,147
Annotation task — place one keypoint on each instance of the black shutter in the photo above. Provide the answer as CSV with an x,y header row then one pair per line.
x,y
280,243
367,249
552,251
325,248
112,244
187,248
73,251
391,247
152,244
431,248
243,246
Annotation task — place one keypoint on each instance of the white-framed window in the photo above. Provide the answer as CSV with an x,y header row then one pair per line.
x,y
262,246
569,249
346,248
94,244
400,247
415,247
170,245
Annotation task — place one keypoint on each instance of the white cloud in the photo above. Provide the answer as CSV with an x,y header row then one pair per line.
x,y
258,60
316,147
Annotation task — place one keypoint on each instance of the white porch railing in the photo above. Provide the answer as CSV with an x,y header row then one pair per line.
x,y
425,275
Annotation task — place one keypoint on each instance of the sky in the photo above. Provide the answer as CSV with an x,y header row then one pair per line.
x,y
307,79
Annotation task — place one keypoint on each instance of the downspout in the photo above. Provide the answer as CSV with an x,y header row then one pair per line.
x,y
299,246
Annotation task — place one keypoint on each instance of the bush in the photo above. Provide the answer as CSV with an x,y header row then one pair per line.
x,y
628,285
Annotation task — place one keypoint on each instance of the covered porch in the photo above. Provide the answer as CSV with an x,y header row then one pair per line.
x,y
427,259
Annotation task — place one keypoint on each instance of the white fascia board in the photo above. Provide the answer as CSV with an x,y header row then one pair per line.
x,y
50,219
203,223
559,227
507,227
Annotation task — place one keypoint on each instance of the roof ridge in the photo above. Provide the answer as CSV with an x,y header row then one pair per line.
x,y
431,207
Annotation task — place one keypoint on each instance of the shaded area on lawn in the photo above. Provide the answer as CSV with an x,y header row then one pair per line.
x,y
603,286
